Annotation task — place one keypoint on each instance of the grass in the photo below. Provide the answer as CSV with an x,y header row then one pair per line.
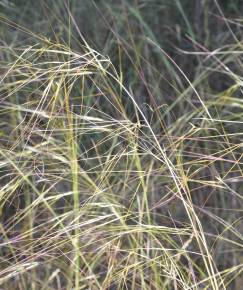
x,y
121,152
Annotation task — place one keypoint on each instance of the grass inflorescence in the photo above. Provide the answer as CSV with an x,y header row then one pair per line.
x,y
120,163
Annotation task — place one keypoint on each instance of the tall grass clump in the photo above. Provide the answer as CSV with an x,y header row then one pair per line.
x,y
113,173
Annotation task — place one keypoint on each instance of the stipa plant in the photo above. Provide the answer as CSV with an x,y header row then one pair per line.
x,y
91,196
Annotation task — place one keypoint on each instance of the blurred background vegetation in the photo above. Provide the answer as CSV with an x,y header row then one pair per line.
x,y
123,31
